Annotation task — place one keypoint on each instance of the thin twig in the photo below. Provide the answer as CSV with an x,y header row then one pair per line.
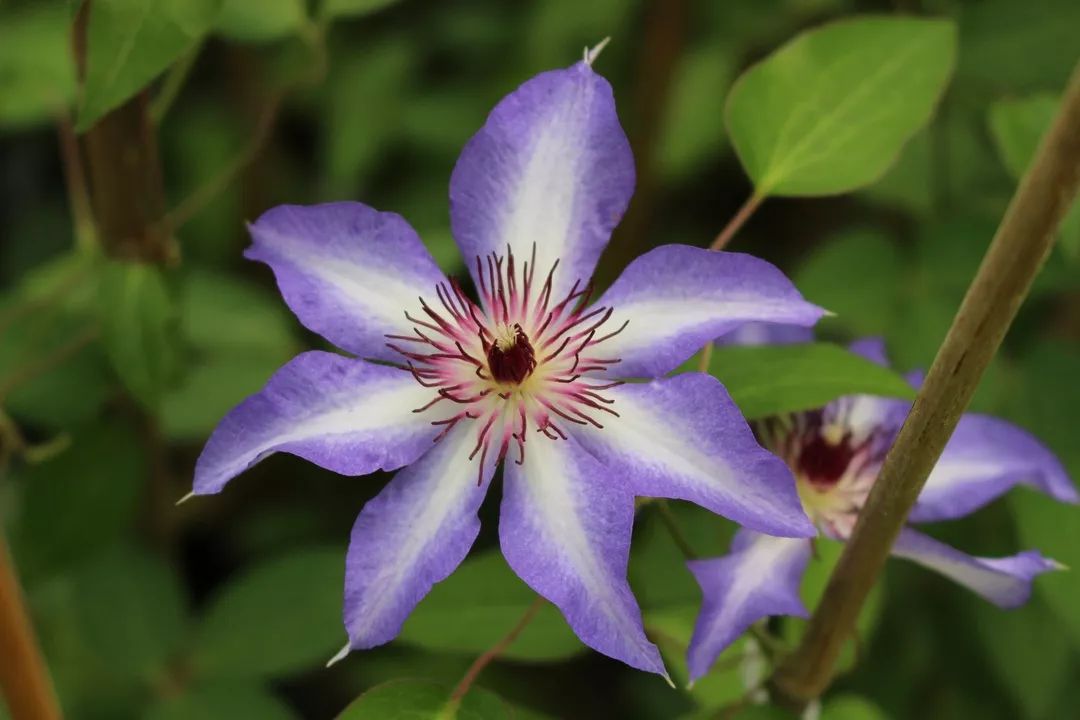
x,y
173,83
737,221
705,358
32,369
82,214
490,655
24,677
44,301
734,224
202,196
314,34
1018,251
672,525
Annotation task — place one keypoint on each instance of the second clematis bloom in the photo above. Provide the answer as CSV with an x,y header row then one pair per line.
x,y
525,373
835,454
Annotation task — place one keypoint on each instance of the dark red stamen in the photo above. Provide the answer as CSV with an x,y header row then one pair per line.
x,y
823,462
512,361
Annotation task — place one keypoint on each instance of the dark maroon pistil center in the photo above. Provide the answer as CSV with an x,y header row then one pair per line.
x,y
824,463
514,361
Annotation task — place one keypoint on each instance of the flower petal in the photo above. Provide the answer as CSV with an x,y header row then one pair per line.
x,y
1006,581
412,535
349,272
683,437
551,169
767,333
565,530
758,578
346,415
984,458
677,298
871,348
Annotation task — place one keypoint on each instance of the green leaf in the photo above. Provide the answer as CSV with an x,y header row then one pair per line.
x,y
132,611
239,334
418,700
88,686
221,702
851,707
51,310
657,569
1017,126
365,104
59,388
280,617
692,136
908,184
260,21
1050,400
332,9
830,111
1027,649
229,315
477,605
129,42
769,380
37,72
866,299
81,501
1010,45
140,324
212,388
671,629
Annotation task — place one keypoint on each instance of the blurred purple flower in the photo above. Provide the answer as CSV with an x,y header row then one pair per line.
x,y
835,454
529,373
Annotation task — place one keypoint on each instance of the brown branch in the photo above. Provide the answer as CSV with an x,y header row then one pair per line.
x,y
24,677
737,221
124,171
492,654
1018,250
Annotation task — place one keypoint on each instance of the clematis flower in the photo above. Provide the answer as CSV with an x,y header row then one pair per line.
x,y
835,454
526,374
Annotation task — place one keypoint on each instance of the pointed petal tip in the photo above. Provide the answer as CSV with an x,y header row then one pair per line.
x,y
184,499
591,54
341,654
798,526
667,678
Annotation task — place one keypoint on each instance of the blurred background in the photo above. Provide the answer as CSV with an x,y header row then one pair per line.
x,y
228,606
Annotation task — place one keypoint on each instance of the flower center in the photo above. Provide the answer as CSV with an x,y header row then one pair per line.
x,y
511,357
517,360
826,457
835,464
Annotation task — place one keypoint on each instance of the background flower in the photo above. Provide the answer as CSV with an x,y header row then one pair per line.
x,y
835,454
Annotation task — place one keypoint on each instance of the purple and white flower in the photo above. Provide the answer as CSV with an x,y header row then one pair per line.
x,y
835,454
448,386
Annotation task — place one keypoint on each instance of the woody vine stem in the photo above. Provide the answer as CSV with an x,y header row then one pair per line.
x,y
1017,252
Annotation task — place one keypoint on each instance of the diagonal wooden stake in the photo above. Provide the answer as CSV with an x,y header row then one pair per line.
x,y
24,679
1019,249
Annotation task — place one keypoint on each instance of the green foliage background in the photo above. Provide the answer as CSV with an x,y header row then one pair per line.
x,y
112,374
